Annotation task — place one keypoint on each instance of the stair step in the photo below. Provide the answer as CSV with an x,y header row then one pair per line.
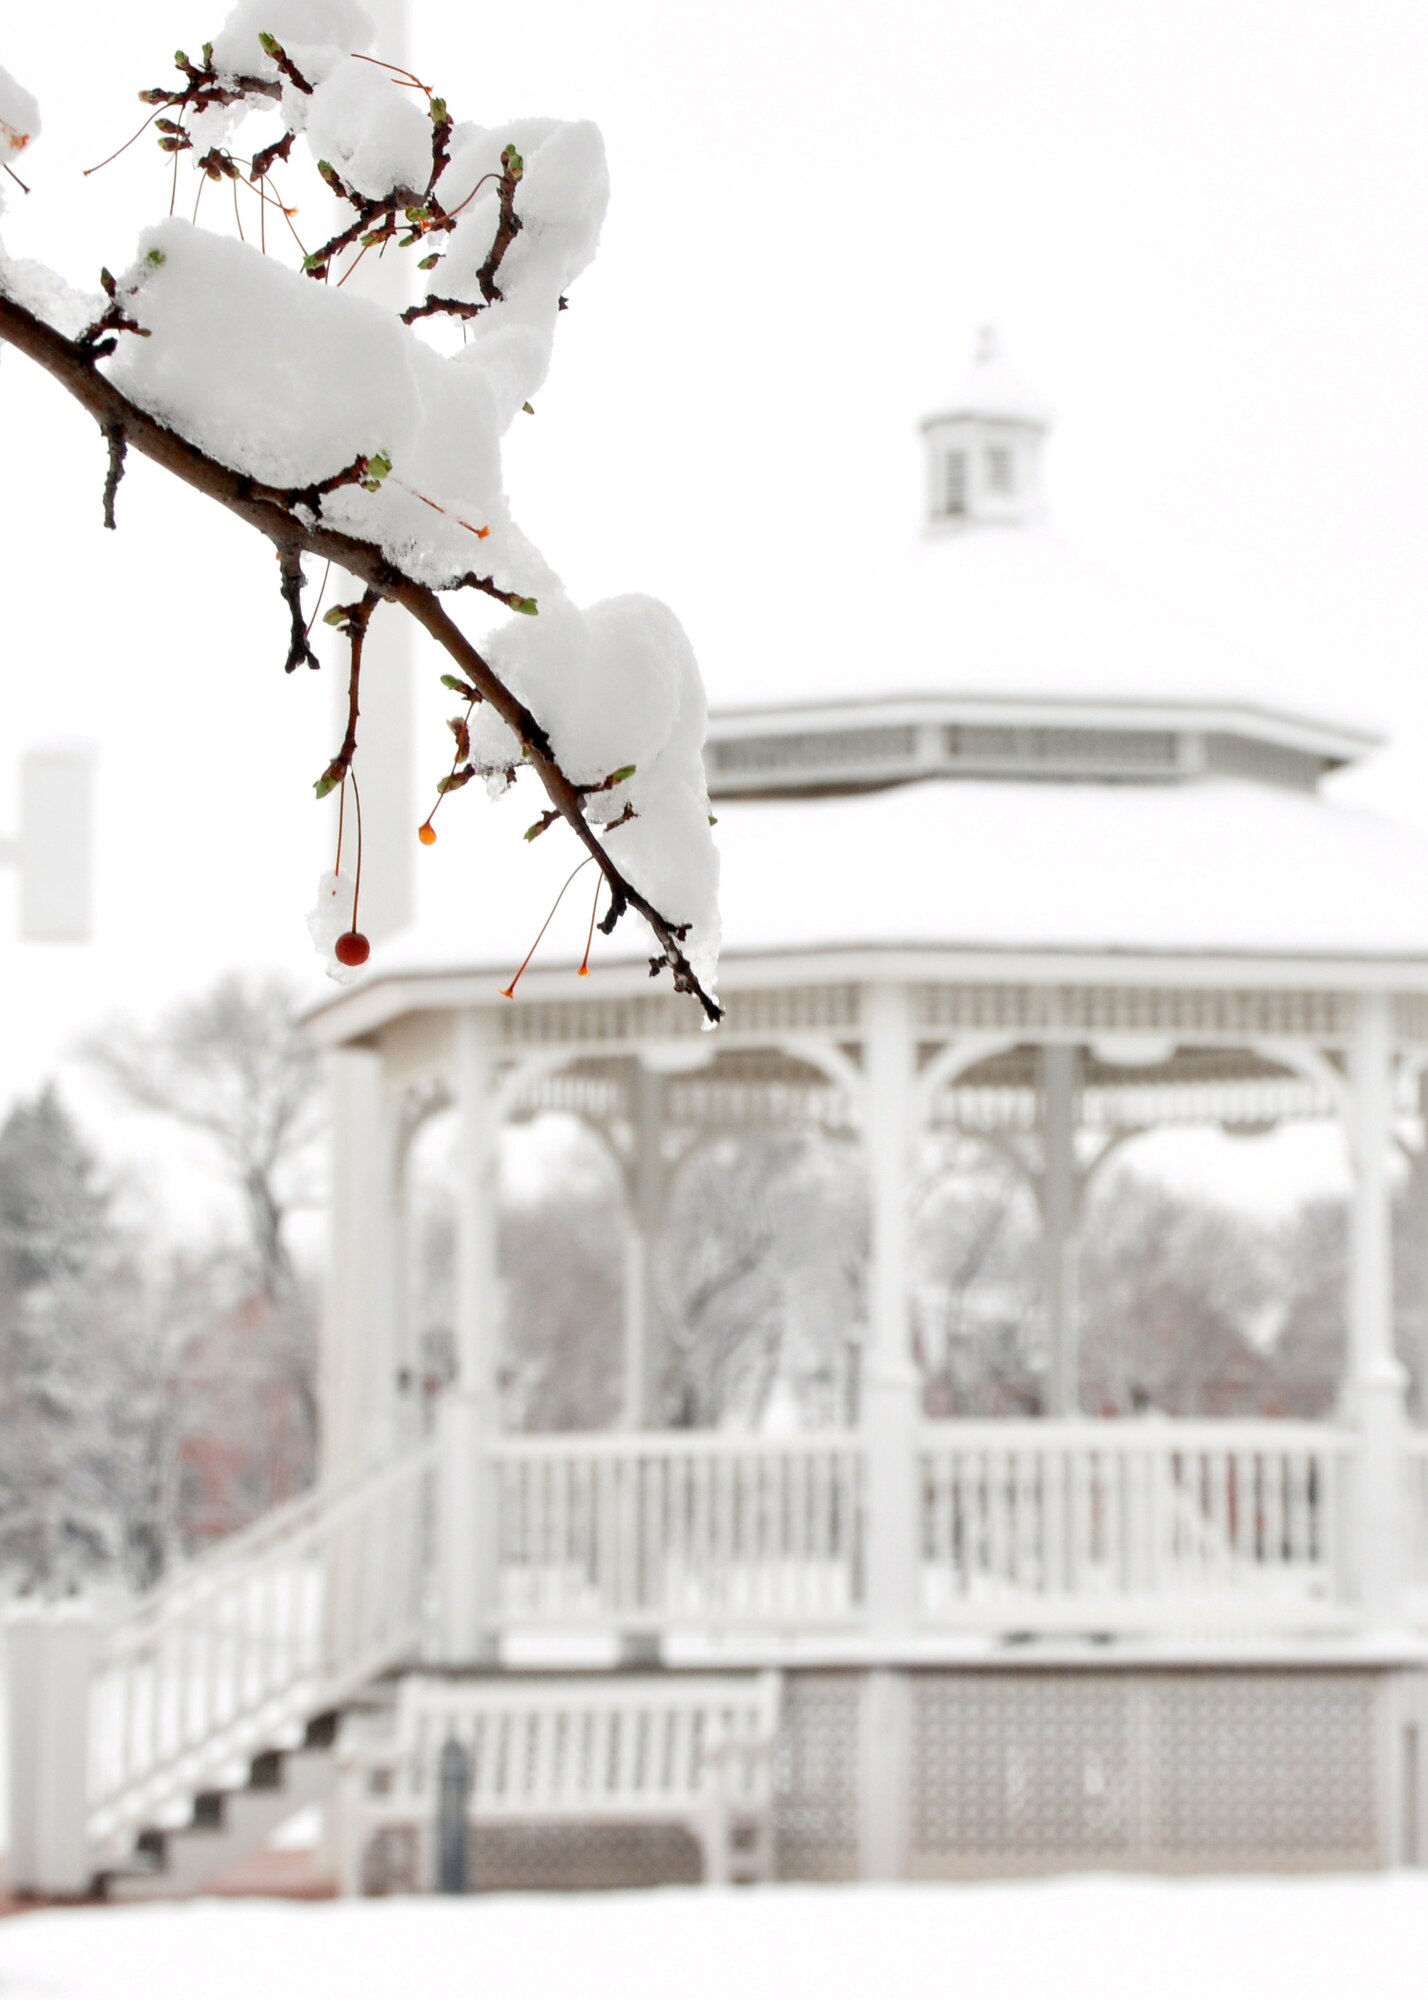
x,y
182,1861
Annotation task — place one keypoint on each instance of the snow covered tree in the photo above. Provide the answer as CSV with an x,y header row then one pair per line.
x,y
371,440
59,1342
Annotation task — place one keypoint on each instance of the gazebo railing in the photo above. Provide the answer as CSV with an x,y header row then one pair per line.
x,y
1133,1524
649,1529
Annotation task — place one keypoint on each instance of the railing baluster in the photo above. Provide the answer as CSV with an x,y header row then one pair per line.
x,y
1298,1536
1272,1477
1053,1522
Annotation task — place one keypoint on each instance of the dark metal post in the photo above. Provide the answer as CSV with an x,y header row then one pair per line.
x,y
452,1839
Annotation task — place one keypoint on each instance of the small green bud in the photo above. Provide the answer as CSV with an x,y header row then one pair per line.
x,y
438,111
328,782
156,257
529,409
619,777
430,263
208,55
459,686
527,606
712,820
106,281
180,60
416,213
336,616
314,261
270,45
511,160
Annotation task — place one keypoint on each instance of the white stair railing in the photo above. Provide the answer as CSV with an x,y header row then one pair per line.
x,y
240,1649
647,1529
1124,1525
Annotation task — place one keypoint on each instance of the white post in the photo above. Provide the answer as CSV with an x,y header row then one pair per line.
x,y
50,1653
24,1688
56,844
644,1203
1419,1209
1376,1378
891,1390
1060,1067
402,1358
355,1339
885,1752
466,1510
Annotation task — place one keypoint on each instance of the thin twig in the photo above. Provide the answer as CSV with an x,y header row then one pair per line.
x,y
299,651
114,438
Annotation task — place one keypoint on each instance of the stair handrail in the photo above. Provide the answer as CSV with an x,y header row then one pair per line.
x,y
272,1528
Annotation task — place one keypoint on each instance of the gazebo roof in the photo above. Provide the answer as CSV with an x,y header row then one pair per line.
x,y
1014,613
1013,623
989,607
997,750
1220,870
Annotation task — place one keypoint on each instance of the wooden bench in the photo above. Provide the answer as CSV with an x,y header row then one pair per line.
x,y
674,1749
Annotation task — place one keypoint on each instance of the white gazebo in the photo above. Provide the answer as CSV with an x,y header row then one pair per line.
x,y
1030,862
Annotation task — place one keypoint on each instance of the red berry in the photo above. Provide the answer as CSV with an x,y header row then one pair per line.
x,y
352,948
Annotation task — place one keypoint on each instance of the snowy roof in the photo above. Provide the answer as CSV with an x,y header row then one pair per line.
x,y
1015,614
995,606
1220,869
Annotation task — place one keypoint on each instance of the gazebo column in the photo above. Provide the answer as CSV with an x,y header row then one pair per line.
x,y
1060,1085
644,1206
405,1360
467,1416
1414,1280
891,1420
1376,1378
357,1386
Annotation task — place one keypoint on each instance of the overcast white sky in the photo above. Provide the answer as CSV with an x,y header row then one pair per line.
x,y
1202,229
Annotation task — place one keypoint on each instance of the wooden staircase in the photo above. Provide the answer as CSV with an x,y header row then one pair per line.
x,y
214,1704
227,1826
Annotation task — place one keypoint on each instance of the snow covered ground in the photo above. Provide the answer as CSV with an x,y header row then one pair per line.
x,y
1112,1939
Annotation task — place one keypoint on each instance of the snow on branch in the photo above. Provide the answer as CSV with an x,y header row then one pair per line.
x,y
371,438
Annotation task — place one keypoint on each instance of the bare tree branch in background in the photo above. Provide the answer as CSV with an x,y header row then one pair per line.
x,y
232,1066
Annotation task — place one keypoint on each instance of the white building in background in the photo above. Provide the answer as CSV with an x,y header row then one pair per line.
x,y
1016,858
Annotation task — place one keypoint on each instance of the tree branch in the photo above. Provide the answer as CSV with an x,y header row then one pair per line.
x,y
269,510
114,438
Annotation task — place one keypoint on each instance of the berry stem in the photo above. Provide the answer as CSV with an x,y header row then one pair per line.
x,y
357,874
584,972
509,992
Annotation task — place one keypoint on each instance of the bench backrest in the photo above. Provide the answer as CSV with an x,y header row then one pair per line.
x,y
558,1743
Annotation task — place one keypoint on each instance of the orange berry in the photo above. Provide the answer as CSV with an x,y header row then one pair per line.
x,y
426,834
352,948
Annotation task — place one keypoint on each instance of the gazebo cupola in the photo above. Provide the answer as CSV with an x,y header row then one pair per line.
x,y
984,450
993,649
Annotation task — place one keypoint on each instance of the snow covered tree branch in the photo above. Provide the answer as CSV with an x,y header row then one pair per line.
x,y
369,438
